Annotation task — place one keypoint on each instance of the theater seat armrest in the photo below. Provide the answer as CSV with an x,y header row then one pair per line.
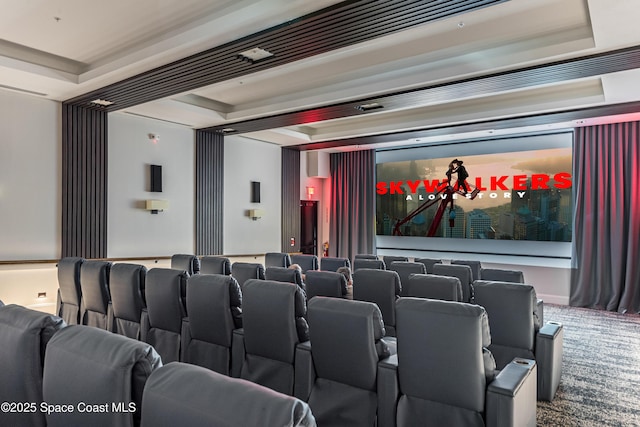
x,y
237,352
392,344
144,325
511,396
185,340
550,330
305,374
110,318
549,356
539,314
58,304
388,391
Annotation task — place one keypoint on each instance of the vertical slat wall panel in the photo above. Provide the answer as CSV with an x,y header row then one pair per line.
x,y
84,182
209,192
290,199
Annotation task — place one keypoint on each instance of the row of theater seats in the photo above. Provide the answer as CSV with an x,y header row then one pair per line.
x,y
193,264
516,324
441,372
164,324
523,334
58,375
467,271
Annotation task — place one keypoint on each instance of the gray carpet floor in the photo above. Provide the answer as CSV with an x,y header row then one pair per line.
x,y
600,383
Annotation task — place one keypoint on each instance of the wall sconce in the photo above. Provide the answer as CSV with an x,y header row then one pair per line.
x,y
156,206
310,192
254,214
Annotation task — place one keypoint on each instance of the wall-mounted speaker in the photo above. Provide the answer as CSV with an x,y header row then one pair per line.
x,y
156,178
255,192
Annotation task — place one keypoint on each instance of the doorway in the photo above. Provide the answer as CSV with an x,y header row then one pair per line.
x,y
309,227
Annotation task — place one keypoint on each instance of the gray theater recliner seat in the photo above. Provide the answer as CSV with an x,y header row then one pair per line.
x,y
127,286
377,264
277,259
513,276
516,331
500,275
326,284
428,263
184,395
476,266
445,374
161,322
283,274
405,269
96,299
101,374
24,336
214,304
70,293
337,373
333,264
273,325
186,262
388,259
434,287
306,262
215,265
365,256
381,287
243,271
462,272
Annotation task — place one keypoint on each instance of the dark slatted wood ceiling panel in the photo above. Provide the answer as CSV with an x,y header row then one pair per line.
x,y
341,25
585,67
508,123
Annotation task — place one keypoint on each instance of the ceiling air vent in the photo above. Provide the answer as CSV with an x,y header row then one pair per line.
x,y
369,107
102,102
254,55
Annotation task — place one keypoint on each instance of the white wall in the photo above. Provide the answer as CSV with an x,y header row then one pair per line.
x,y
30,181
131,230
247,160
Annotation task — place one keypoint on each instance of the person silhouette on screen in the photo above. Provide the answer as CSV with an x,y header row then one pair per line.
x,y
462,175
449,172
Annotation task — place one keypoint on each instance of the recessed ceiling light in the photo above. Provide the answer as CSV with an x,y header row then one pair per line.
x,y
460,24
254,55
102,102
368,107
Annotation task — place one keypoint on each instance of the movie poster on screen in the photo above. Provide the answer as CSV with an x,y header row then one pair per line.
x,y
523,195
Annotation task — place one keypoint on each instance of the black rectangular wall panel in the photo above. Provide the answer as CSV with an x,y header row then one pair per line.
x,y
155,172
255,191
84,182
209,192
290,199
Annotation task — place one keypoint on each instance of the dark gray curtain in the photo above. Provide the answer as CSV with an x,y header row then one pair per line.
x,y
607,218
84,181
290,186
209,192
352,227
